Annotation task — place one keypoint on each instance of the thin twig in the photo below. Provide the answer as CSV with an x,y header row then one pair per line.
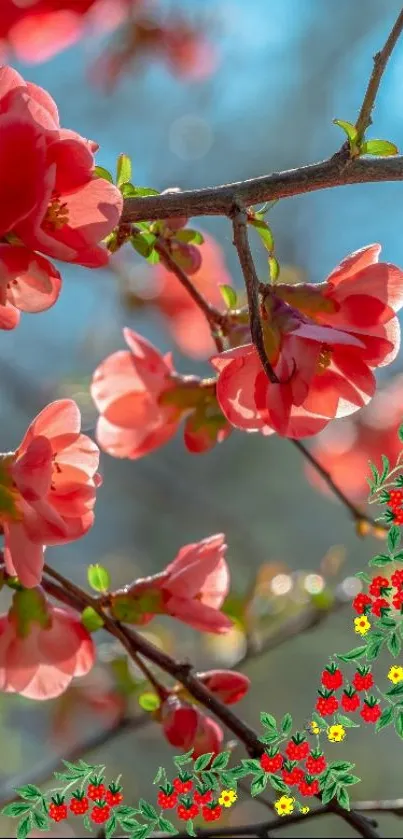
x,y
241,242
355,512
394,805
380,61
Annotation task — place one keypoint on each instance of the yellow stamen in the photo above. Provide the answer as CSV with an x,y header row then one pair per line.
x,y
324,359
57,215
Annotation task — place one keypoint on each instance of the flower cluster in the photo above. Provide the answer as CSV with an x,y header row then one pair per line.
x,y
384,594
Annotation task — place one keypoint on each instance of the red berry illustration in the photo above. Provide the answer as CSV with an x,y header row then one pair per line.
x,y
211,814
326,704
101,812
114,795
361,603
350,700
371,710
363,679
79,803
186,813
379,586
316,763
398,517
183,784
271,762
292,774
397,579
203,797
96,789
379,605
332,677
397,600
167,800
309,786
58,809
297,748
395,498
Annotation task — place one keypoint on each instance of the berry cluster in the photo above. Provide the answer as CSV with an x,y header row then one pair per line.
x,y
350,700
295,776
188,801
103,800
383,593
395,503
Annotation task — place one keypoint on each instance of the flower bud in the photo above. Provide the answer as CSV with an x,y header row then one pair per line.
x,y
227,685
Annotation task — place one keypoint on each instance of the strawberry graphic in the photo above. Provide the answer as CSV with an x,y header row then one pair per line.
x,y
79,803
395,498
167,797
397,600
58,809
316,763
363,678
350,700
114,795
380,607
326,704
309,786
371,710
332,677
361,603
96,788
292,774
101,812
211,814
298,747
271,761
187,811
398,517
203,797
379,586
397,579
183,784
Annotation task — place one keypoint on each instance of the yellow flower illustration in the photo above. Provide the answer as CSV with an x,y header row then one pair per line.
x,y
395,674
304,810
227,797
313,727
284,805
336,733
362,625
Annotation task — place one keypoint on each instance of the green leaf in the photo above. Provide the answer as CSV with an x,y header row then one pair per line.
x,y
341,766
103,173
268,721
149,701
346,721
221,761
190,828
210,779
348,129
40,821
258,784
319,721
159,775
123,170
91,620
399,724
400,433
125,812
264,232
343,798
386,467
251,765
16,808
374,648
23,827
274,269
277,783
380,148
143,243
87,823
229,296
267,739
363,576
385,621
128,824
329,792
143,191
398,557
238,772
98,578
380,559
385,719
396,690
188,236
147,810
349,780
30,792
110,826
286,724
166,826
393,538
353,655
394,644
202,761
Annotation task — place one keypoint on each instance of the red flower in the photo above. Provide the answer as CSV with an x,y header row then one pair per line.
x,y
350,700
228,685
379,605
371,710
315,763
332,677
54,481
28,283
297,748
321,347
271,763
363,679
397,579
309,787
360,603
187,727
378,586
326,704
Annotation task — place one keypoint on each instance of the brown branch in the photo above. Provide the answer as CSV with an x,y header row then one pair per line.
x,y
395,806
220,200
241,242
380,61
354,511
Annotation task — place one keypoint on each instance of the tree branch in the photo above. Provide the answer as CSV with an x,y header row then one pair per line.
x,y
380,61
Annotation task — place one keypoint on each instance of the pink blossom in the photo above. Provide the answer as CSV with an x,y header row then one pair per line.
x,y
187,727
54,477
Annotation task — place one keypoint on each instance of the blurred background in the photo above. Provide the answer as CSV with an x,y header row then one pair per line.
x,y
277,74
